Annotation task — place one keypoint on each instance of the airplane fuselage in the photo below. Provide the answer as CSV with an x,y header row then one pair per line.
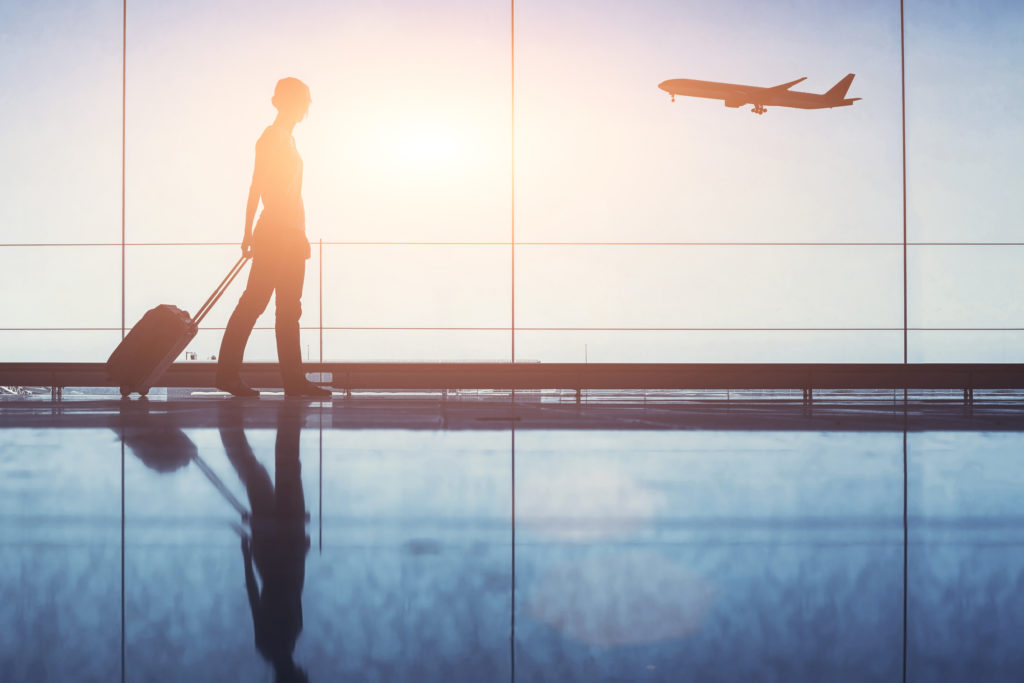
x,y
735,95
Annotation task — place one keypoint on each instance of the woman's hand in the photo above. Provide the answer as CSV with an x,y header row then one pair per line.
x,y
247,246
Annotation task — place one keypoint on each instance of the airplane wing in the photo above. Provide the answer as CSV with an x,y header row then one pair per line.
x,y
787,86
738,96
742,96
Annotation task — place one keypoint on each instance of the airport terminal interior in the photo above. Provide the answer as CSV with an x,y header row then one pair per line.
x,y
664,341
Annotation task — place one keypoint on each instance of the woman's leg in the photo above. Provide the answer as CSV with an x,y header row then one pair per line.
x,y
252,303
286,326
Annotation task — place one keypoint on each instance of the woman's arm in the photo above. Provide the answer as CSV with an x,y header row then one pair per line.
x,y
255,191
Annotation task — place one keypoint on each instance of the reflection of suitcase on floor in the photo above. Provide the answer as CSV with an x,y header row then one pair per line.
x,y
155,342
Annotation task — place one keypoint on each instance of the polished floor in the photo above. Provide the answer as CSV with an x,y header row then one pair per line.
x,y
428,539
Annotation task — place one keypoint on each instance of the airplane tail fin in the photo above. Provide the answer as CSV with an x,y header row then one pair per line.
x,y
838,90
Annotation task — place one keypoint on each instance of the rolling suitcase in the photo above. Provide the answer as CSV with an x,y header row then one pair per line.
x,y
155,341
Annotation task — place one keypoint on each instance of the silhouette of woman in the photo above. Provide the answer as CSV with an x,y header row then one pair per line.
x,y
279,250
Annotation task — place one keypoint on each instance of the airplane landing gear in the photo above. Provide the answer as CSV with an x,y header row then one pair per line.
x,y
673,97
759,109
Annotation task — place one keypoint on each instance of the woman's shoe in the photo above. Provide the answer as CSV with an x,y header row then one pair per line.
x,y
307,390
235,386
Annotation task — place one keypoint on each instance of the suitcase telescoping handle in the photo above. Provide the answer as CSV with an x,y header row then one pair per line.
x,y
221,288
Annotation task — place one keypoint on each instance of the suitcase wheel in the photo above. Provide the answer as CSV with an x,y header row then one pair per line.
x,y
126,392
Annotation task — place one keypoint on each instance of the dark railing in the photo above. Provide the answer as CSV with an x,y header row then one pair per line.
x,y
579,376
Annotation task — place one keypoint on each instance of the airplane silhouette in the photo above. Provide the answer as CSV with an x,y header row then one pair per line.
x,y
779,96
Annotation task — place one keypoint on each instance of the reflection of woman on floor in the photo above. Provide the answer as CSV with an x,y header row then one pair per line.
x,y
279,542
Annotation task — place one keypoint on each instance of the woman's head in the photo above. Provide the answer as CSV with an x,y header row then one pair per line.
x,y
291,98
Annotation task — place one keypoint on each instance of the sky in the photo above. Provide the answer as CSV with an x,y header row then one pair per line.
x,y
409,144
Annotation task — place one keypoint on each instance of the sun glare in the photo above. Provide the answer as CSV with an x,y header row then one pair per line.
x,y
422,145
432,145
418,147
